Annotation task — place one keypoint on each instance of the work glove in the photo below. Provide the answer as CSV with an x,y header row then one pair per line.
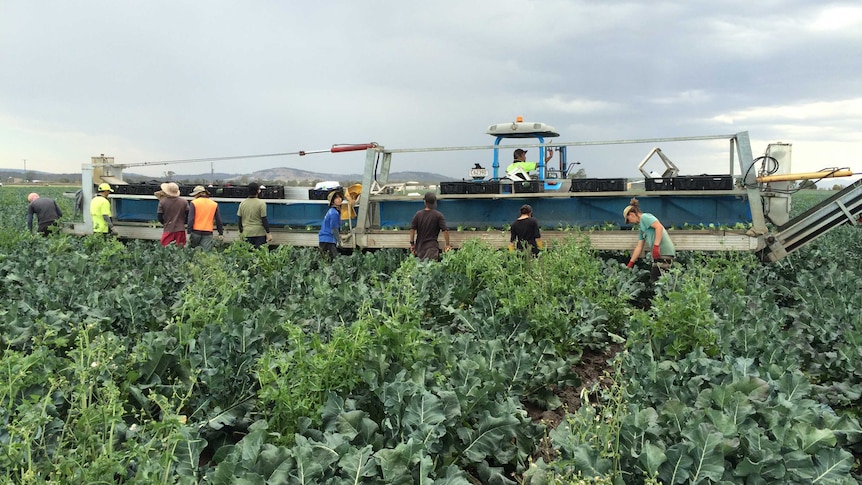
x,y
655,252
220,238
631,264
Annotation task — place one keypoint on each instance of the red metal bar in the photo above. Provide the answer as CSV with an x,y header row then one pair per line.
x,y
352,148
340,148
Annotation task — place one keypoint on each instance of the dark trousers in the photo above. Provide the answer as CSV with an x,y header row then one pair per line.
x,y
48,229
659,266
256,241
328,250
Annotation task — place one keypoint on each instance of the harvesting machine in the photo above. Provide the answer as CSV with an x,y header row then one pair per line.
x,y
748,210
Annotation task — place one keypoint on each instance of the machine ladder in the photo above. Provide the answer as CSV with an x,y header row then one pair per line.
x,y
842,208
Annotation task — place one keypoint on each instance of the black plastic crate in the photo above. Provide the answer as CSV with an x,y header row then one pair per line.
x,y
583,185
611,185
454,187
143,189
216,191
272,192
598,185
528,186
321,194
485,187
703,182
659,184
235,191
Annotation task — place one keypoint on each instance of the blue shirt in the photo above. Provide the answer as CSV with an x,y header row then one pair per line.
x,y
331,225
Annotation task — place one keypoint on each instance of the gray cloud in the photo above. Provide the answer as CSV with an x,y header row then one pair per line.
x,y
166,80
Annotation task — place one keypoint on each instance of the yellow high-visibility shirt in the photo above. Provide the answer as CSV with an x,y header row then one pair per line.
x,y
99,207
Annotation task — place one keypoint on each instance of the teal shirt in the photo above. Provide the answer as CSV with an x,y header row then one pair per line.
x,y
647,233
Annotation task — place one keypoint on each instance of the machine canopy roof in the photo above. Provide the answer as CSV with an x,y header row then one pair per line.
x,y
522,129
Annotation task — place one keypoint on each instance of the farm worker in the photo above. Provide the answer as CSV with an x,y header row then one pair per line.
x,y
173,211
653,234
525,232
100,210
46,211
329,238
251,217
203,214
519,169
425,229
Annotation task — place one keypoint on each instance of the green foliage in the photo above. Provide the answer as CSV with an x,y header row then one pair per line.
x,y
126,362
566,295
681,318
208,295
295,383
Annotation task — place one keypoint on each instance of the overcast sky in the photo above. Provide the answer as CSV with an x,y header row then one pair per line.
x,y
162,80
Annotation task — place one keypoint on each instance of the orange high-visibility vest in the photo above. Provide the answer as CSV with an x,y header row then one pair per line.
x,y
204,214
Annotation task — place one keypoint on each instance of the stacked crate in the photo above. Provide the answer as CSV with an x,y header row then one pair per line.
x,y
598,185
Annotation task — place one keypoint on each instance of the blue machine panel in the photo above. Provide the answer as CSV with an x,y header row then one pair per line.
x,y
135,210
584,212
482,213
299,214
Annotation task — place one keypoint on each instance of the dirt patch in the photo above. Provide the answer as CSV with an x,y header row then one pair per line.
x,y
591,369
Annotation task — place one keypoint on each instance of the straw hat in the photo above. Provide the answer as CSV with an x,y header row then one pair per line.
x,y
171,189
198,190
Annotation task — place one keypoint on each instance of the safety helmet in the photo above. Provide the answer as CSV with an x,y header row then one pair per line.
x,y
105,187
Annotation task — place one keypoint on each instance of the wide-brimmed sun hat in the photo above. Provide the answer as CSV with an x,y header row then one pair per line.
x,y
171,189
198,189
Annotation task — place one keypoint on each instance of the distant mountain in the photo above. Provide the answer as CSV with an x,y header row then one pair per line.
x,y
283,175
35,175
419,177
195,178
287,175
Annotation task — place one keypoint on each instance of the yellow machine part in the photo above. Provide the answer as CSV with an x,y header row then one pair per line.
x,y
823,174
352,195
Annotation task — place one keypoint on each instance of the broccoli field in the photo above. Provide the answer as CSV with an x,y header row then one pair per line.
x,y
125,362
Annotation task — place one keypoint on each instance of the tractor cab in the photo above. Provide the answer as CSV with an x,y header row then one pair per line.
x,y
540,131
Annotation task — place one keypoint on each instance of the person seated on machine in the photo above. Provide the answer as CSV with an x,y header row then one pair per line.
x,y
520,168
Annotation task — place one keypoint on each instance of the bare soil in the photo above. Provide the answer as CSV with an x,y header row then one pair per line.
x,y
591,369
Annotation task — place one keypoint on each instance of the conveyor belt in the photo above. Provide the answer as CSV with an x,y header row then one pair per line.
x,y
842,208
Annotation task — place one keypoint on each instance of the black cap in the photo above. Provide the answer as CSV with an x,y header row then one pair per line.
x,y
519,152
253,188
